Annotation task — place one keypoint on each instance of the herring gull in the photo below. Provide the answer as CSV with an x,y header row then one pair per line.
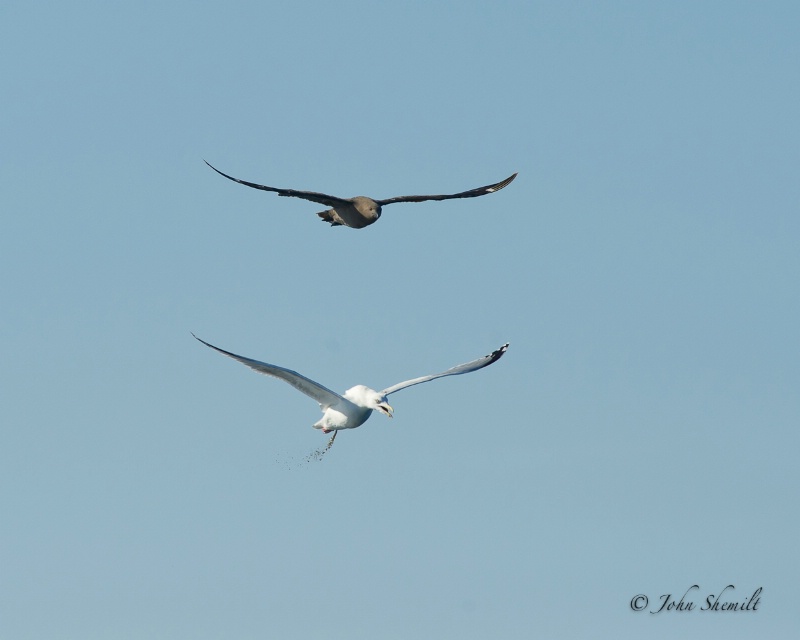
x,y
354,406
362,211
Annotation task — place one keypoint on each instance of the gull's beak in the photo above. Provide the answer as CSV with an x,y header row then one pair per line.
x,y
386,409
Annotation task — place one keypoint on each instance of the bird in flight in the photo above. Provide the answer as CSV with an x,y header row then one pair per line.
x,y
361,211
352,408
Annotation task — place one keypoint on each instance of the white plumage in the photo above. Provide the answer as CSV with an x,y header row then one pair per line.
x,y
354,406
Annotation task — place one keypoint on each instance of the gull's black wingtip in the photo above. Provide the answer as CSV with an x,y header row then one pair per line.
x,y
494,356
201,340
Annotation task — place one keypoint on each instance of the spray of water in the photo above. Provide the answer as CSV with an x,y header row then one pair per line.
x,y
314,456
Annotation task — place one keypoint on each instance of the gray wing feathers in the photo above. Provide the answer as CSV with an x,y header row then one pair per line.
x,y
321,394
313,196
472,193
468,367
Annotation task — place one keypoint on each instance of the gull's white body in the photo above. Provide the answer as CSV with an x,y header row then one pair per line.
x,y
354,410
354,407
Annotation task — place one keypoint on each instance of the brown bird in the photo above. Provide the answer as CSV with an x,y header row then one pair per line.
x,y
361,211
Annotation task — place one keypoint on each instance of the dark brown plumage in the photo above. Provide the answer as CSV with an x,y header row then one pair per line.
x,y
360,212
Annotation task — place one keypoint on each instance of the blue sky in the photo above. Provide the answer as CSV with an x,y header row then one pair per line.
x,y
639,437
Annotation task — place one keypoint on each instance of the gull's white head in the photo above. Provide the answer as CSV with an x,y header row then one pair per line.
x,y
369,399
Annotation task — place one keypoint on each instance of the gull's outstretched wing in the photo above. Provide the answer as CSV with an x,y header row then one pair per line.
x,y
323,395
472,193
321,198
468,367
